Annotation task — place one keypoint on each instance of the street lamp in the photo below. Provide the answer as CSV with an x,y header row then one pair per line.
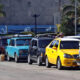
x,y
75,16
35,17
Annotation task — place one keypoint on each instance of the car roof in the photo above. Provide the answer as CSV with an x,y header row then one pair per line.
x,y
67,39
41,38
21,38
76,37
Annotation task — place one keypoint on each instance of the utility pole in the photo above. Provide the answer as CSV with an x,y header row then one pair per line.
x,y
35,17
75,17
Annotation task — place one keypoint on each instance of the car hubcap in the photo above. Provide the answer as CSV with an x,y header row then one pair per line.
x,y
16,58
46,62
7,57
28,58
38,60
58,64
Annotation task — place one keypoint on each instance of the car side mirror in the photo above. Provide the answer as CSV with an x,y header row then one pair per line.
x,y
55,48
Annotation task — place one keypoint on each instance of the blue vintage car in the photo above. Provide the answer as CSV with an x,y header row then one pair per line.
x,y
18,48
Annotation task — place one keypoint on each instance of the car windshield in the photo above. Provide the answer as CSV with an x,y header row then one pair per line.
x,y
22,42
69,45
44,43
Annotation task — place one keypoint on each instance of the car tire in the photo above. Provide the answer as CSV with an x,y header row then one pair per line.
x,y
29,59
48,65
8,58
59,65
16,59
39,61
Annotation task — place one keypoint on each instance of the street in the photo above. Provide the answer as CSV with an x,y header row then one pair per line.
x,y
23,71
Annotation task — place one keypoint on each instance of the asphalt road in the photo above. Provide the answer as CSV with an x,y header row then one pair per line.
x,y
23,71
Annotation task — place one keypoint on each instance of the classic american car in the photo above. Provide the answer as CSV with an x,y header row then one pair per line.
x,y
18,48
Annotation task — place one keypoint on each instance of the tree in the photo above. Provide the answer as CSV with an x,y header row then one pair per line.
x,y
74,1
68,17
67,26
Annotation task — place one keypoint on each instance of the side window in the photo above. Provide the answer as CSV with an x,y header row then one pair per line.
x,y
27,42
52,44
34,43
12,43
57,43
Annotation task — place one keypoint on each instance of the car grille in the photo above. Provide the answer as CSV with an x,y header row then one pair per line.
x,y
25,51
76,56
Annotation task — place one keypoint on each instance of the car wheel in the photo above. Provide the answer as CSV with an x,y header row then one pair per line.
x,y
48,65
8,58
39,61
59,66
16,58
29,59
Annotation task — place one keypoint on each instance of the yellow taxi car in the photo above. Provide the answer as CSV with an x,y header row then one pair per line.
x,y
63,52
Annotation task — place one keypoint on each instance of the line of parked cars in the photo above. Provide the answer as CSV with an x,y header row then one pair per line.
x,y
61,52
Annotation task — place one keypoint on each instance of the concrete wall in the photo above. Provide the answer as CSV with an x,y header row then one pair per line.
x,y
21,11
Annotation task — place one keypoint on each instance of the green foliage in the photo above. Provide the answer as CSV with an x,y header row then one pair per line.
x,y
74,1
67,26
68,10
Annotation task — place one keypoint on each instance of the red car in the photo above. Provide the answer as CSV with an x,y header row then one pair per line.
x,y
3,44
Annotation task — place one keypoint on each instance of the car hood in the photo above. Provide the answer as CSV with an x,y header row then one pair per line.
x,y
22,47
71,51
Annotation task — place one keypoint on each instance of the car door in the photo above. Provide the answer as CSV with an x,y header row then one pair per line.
x,y
10,48
51,52
13,48
34,49
54,51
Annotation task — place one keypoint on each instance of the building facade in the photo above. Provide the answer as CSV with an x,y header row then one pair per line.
x,y
20,12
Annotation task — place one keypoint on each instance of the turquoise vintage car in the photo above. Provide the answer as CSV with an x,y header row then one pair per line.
x,y
18,48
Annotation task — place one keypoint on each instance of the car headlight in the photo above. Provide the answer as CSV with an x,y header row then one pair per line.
x,y
67,56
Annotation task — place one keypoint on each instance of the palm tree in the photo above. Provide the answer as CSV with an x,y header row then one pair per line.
x,y
74,1
68,17
70,9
